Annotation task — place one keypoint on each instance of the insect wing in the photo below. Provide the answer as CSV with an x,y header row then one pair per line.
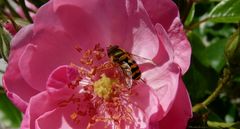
x,y
142,60
127,71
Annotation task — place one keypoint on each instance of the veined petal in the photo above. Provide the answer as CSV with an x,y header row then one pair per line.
x,y
46,52
147,101
181,45
164,81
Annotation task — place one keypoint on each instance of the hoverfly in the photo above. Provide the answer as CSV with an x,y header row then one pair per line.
x,y
125,61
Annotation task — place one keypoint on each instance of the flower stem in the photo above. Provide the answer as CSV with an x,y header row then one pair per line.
x,y
222,82
194,25
25,10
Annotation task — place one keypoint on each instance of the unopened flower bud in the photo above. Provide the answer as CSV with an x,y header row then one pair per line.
x,y
10,28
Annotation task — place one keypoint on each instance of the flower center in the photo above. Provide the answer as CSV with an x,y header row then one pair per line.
x,y
103,87
105,93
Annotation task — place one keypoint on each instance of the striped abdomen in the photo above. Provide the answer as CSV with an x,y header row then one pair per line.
x,y
122,58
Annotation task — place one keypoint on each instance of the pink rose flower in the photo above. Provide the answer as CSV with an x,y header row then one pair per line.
x,y
60,76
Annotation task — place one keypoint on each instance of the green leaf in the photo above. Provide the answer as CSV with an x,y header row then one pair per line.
x,y
226,11
197,45
190,15
200,81
221,125
215,55
211,55
236,79
4,43
10,115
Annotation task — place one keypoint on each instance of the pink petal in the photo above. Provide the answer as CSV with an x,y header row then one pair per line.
x,y
166,52
161,11
164,81
147,102
49,111
58,80
17,101
34,109
50,47
48,100
123,23
47,51
61,76
180,112
165,12
181,45
60,119
55,117
46,19
17,88
180,51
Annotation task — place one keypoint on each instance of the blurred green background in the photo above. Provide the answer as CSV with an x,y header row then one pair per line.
x,y
213,80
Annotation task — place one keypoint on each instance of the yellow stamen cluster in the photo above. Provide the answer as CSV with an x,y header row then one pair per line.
x,y
103,87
